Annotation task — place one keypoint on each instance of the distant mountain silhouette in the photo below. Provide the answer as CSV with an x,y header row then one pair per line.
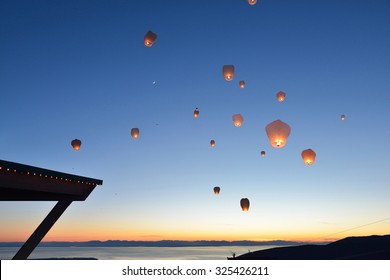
x,y
161,243
351,248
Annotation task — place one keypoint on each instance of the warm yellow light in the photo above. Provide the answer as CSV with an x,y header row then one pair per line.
x,y
228,72
237,119
212,143
150,38
134,133
252,2
244,202
196,113
76,144
277,133
308,156
281,96
242,84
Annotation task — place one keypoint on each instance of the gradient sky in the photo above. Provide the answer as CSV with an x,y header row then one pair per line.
x,y
79,69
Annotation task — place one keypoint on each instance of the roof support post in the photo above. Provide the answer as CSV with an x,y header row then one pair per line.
x,y
42,230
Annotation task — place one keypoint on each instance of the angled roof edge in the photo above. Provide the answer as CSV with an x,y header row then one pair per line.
x,y
13,166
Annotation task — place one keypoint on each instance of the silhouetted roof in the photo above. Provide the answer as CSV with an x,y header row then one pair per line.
x,y
20,182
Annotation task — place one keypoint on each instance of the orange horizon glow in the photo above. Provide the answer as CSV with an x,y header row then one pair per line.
x,y
102,236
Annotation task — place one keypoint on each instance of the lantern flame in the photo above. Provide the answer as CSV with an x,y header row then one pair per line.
x,y
278,133
150,38
237,120
244,204
228,72
76,144
281,95
308,156
135,133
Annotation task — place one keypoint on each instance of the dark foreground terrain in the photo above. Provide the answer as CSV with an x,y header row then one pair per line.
x,y
351,248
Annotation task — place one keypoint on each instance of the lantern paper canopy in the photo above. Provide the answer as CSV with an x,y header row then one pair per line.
x,y
135,133
252,2
342,117
150,38
237,119
212,143
196,113
228,72
308,156
217,190
281,96
244,204
262,153
242,84
278,133
76,144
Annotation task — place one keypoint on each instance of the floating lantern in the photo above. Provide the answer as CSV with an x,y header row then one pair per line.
x,y
342,117
262,153
196,112
252,2
217,190
242,84
212,143
278,133
150,38
135,133
281,96
228,72
237,119
308,156
244,204
76,144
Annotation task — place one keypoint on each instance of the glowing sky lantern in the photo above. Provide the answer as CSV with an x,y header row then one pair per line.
x,y
242,84
237,119
76,144
135,133
262,153
150,38
278,133
217,190
281,96
252,2
196,112
212,143
342,117
228,72
308,156
244,204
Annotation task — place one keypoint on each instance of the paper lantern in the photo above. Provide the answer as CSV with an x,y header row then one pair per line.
x,y
244,204
252,2
196,113
281,96
135,133
308,156
242,84
342,117
217,190
212,143
76,144
150,38
262,153
228,72
278,133
237,119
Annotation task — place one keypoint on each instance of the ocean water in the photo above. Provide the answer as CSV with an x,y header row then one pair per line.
x,y
136,253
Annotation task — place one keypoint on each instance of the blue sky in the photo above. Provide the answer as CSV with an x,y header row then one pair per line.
x,y
79,69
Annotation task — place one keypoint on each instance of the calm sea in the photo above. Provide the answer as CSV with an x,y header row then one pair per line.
x,y
136,253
